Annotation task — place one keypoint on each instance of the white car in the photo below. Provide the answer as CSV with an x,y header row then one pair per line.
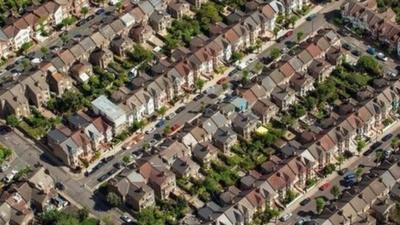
x,y
171,116
126,218
151,130
286,217
382,56
36,60
10,176
4,167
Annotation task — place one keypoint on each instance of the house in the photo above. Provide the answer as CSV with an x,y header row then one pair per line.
x,y
17,33
240,104
185,167
14,102
101,57
112,113
14,209
69,146
265,110
179,9
141,33
334,55
224,138
320,69
197,3
98,131
302,84
81,71
283,96
79,52
170,150
147,99
58,82
204,152
245,124
161,180
160,21
120,45
133,190
37,90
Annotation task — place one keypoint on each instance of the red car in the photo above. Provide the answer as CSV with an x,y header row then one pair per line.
x,y
222,81
325,186
289,33
175,127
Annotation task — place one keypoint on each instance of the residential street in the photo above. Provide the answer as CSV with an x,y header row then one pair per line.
x,y
366,162
81,188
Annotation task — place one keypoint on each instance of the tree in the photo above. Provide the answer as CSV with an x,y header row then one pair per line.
x,y
84,11
83,213
359,172
395,143
335,191
44,50
167,130
161,111
208,14
113,199
245,77
200,84
12,120
141,55
236,56
138,125
275,53
107,220
340,160
370,65
378,156
320,204
151,216
127,159
299,36
360,145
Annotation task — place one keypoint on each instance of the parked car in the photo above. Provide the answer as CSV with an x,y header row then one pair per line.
x,y
9,177
60,186
80,23
126,218
99,11
325,186
343,171
4,167
305,201
90,17
233,72
356,52
171,116
160,123
381,56
150,130
175,127
180,109
387,137
289,33
371,50
117,165
376,145
267,60
387,153
108,159
346,46
311,17
103,178
222,81
285,217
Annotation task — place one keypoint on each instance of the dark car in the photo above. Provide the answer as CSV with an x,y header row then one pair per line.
x,y
112,171
343,171
305,201
102,178
233,72
100,11
346,46
368,152
387,137
117,165
180,109
311,17
267,59
376,145
157,136
5,129
198,97
60,186
80,23
90,17
108,159
356,52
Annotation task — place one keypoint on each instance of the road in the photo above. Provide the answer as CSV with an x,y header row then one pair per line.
x,y
81,188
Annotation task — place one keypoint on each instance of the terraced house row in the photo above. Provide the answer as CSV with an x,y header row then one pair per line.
x,y
380,26
167,80
37,21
